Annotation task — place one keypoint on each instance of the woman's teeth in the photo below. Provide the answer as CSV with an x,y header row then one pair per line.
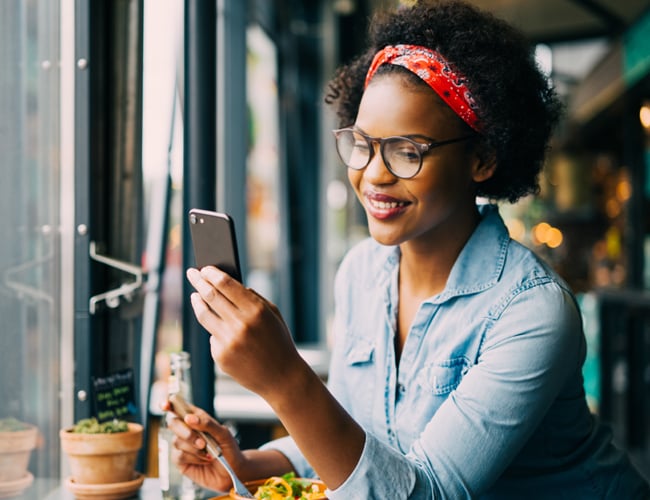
x,y
384,205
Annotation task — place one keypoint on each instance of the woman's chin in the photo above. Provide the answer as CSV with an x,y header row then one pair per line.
x,y
383,237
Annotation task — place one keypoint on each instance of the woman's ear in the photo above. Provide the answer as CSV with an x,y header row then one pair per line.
x,y
485,165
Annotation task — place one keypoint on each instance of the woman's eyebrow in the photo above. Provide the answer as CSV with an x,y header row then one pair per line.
x,y
407,136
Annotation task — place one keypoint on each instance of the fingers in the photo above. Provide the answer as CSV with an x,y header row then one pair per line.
x,y
178,426
204,288
199,420
224,294
213,284
227,286
191,446
206,317
220,294
220,297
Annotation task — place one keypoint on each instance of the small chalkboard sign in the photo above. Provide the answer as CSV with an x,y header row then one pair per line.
x,y
114,395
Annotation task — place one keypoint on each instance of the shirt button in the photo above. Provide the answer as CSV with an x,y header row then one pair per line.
x,y
401,388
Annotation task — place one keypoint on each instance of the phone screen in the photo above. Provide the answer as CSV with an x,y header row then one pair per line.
x,y
214,241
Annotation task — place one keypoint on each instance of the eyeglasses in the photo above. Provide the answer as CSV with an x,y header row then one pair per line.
x,y
402,155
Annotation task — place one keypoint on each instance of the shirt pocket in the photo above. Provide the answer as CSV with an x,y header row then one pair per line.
x,y
359,352
431,387
439,379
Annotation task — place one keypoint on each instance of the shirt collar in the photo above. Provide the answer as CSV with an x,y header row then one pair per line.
x,y
480,263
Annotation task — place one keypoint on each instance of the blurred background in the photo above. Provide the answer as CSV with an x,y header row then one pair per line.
x,y
119,116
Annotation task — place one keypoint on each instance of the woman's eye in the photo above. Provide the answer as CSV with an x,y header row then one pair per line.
x,y
406,153
361,146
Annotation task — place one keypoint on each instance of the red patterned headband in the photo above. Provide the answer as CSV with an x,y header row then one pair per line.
x,y
434,69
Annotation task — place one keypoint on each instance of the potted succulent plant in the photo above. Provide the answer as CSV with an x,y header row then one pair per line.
x,y
17,440
102,457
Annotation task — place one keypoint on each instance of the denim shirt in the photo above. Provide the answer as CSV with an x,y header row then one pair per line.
x,y
487,400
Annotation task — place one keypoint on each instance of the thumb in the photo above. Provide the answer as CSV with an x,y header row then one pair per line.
x,y
200,420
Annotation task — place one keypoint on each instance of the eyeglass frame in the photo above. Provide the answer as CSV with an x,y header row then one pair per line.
x,y
421,147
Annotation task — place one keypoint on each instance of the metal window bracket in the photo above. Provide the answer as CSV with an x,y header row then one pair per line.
x,y
126,290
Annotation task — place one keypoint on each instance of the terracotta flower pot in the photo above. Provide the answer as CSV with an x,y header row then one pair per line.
x,y
15,449
102,458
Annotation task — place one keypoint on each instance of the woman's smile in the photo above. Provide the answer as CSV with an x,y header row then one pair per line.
x,y
382,206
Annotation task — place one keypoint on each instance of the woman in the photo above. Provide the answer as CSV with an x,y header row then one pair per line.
x,y
456,369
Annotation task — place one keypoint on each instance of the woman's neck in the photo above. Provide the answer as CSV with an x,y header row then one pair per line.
x,y
426,262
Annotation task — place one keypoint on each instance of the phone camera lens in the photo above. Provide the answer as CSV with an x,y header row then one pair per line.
x,y
192,219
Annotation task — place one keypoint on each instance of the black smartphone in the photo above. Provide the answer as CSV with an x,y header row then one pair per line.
x,y
214,241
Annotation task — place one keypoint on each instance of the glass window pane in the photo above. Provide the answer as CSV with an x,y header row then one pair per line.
x,y
30,341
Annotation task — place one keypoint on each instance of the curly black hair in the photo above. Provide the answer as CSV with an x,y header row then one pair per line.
x,y
516,104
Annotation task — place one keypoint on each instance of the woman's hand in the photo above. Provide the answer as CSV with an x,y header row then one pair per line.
x,y
190,453
249,339
250,342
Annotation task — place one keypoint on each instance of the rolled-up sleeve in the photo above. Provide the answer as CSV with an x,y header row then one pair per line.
x,y
382,472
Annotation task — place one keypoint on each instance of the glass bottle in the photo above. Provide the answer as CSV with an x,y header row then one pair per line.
x,y
173,484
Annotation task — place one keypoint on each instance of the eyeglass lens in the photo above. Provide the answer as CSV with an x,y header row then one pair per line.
x,y
400,155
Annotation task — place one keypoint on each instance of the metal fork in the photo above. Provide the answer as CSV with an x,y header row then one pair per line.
x,y
181,409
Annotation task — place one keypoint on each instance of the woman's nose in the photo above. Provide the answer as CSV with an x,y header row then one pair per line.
x,y
377,171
